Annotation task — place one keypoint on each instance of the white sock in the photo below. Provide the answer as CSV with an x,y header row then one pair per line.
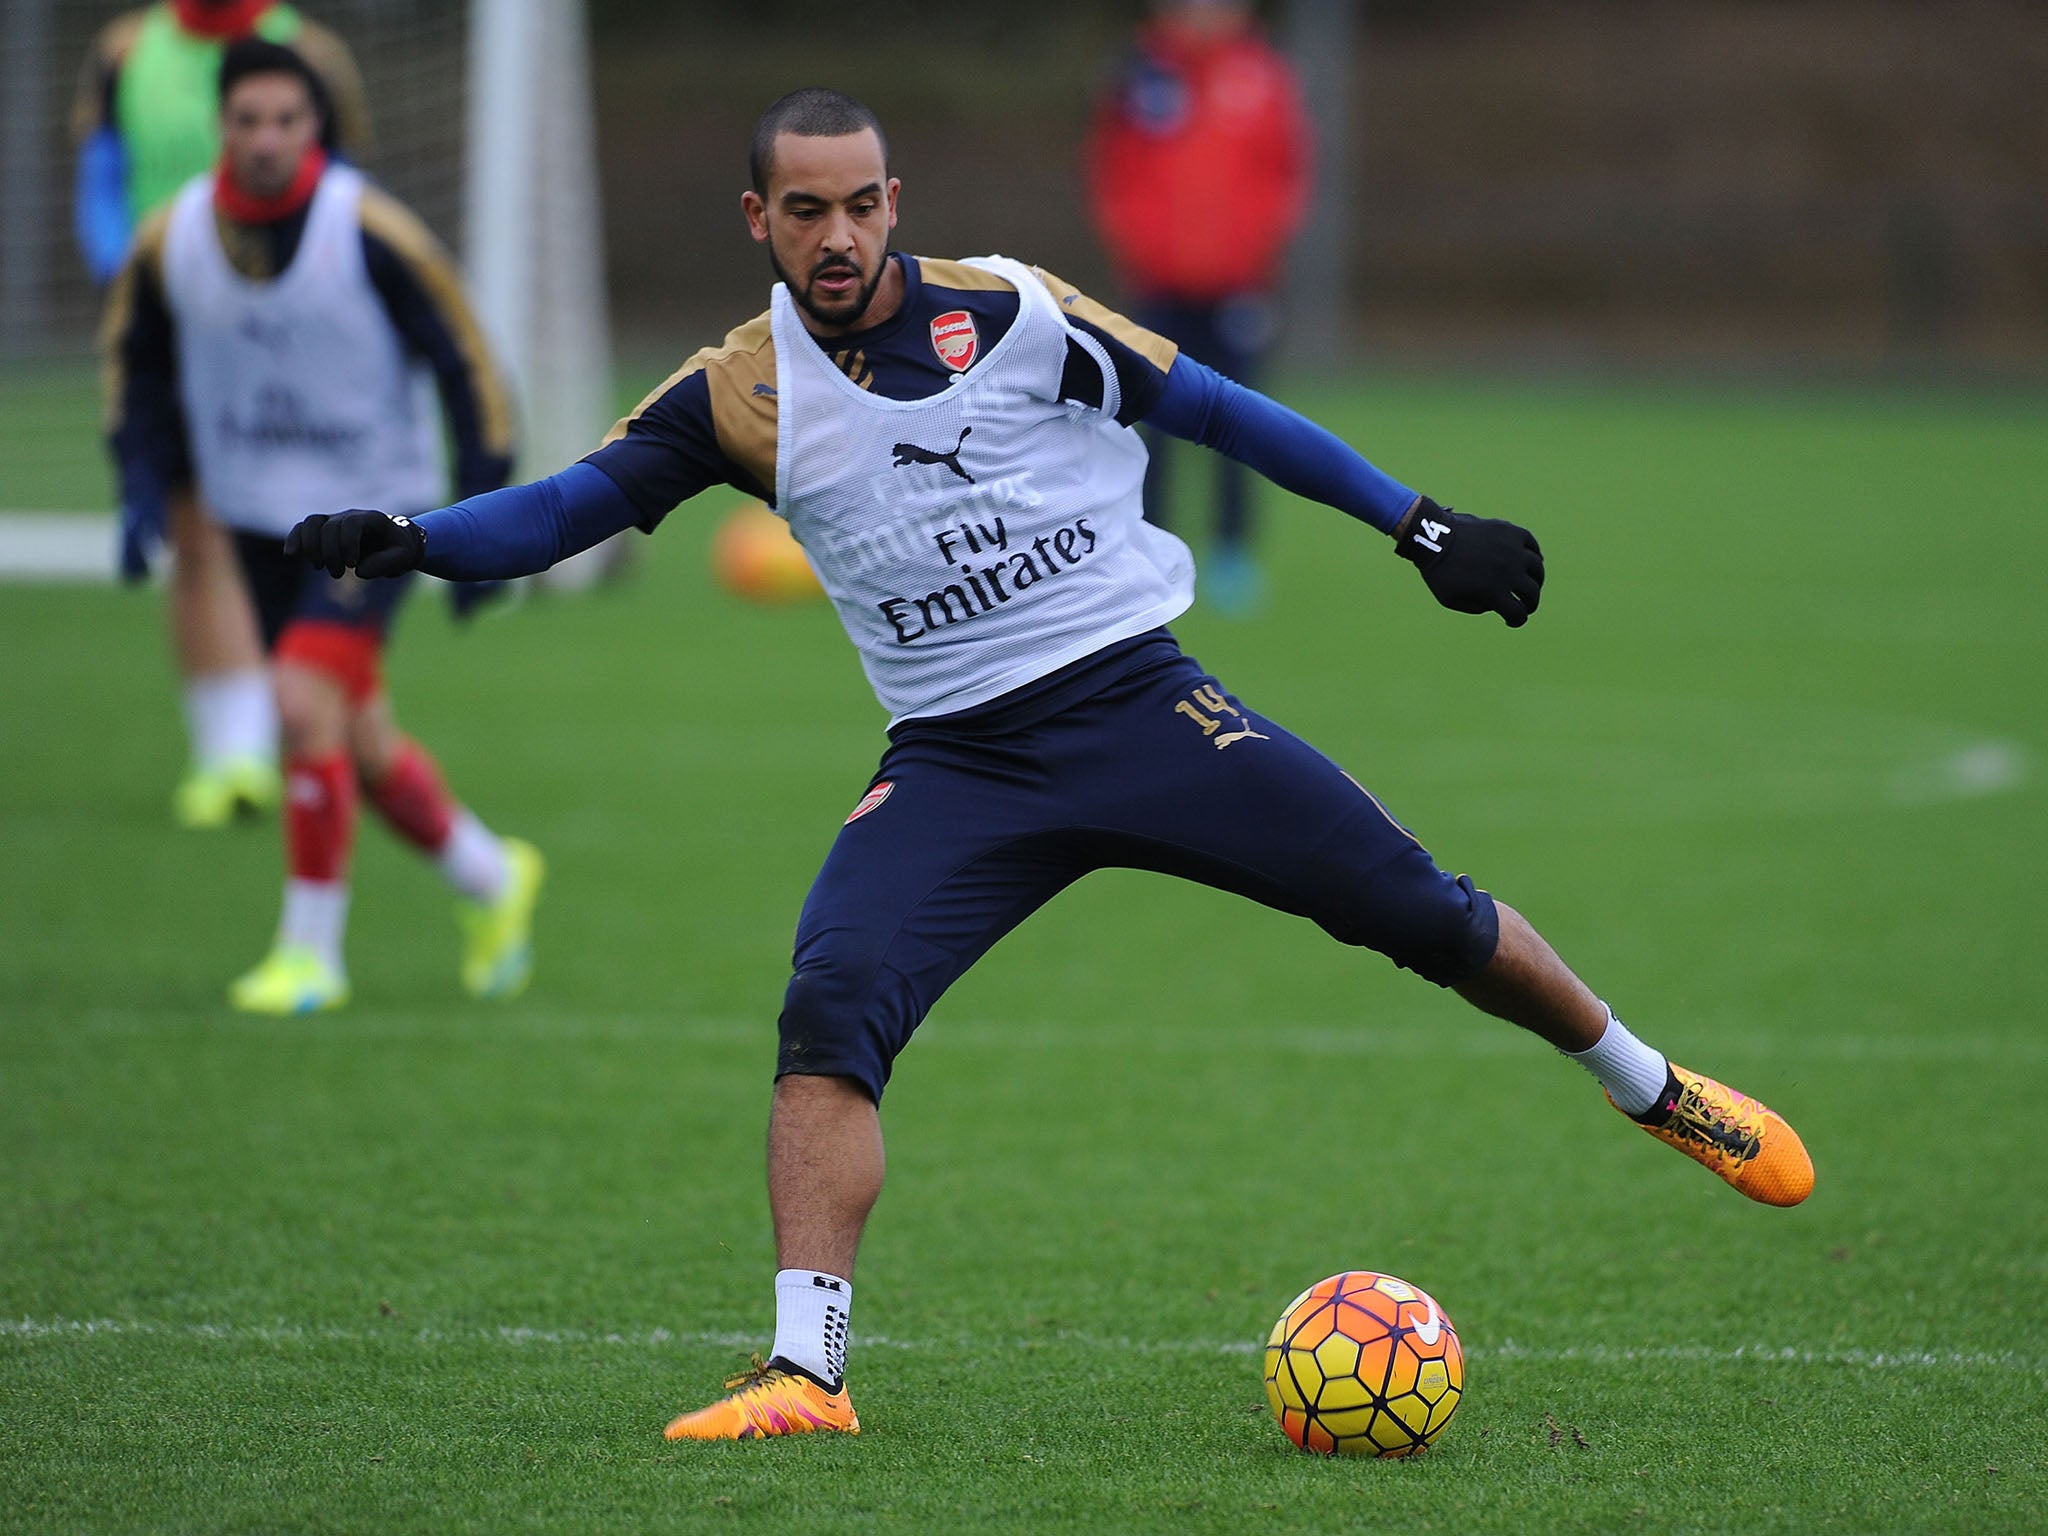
x,y
231,715
473,859
315,917
811,1309
1629,1070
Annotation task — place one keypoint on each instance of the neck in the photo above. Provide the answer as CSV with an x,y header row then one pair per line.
x,y
230,18
883,306
251,208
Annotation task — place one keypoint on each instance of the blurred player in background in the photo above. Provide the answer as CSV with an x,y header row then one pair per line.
x,y
268,337
949,441
1198,167
147,121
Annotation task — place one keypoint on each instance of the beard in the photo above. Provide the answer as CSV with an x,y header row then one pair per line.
x,y
841,313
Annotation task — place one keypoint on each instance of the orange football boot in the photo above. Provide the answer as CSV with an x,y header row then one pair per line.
x,y
1745,1142
770,1401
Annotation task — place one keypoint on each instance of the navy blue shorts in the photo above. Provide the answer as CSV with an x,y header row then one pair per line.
x,y
1134,758
287,590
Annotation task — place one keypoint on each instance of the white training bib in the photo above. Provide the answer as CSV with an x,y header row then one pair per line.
x,y
979,539
299,396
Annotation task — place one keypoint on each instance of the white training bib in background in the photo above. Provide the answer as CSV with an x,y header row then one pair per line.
x,y
299,396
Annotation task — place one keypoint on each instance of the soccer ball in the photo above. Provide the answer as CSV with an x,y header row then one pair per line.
x,y
753,556
1362,1364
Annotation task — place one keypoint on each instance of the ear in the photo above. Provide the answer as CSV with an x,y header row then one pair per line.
x,y
895,186
757,214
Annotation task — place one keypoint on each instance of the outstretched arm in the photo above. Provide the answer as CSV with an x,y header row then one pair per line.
x,y
667,451
1204,407
1471,564
512,532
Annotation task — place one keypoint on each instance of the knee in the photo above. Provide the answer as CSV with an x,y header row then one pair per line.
x,y
841,1018
1442,928
374,741
312,712
205,558
812,1092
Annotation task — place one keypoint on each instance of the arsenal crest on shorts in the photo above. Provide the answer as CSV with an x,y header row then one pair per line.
x,y
955,339
870,800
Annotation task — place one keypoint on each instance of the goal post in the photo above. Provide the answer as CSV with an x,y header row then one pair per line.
x,y
534,231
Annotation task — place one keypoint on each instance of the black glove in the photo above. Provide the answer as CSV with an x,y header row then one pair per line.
x,y
369,543
1473,564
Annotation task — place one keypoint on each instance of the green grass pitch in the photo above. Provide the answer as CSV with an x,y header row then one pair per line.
x,y
1767,768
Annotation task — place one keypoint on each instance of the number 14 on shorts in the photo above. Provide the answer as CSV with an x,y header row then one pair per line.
x,y
1209,709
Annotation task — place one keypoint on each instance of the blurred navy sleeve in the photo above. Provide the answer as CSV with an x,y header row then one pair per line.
x,y
423,295
669,451
146,424
525,528
1201,405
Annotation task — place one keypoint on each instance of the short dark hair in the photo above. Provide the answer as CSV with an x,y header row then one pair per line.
x,y
811,113
247,56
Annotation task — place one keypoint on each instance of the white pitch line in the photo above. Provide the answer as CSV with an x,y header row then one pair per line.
x,y
1893,1359
1982,768
57,546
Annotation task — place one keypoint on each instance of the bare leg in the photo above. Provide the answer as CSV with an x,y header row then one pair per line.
x,y
312,709
824,1171
213,624
374,739
1527,984
1744,1142
824,1174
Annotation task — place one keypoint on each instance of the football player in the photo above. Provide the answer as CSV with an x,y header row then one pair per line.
x,y
951,443
267,339
146,119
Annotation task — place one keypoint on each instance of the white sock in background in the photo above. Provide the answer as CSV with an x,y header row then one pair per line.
x,y
231,715
811,1309
315,917
473,860
1629,1070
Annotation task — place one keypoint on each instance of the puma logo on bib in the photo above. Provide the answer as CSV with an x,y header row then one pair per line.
x,y
909,453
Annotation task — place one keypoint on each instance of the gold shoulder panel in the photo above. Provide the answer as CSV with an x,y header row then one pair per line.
x,y
739,374
1151,346
957,274
147,248
144,264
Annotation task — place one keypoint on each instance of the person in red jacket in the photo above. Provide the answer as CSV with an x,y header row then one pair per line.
x,y
1199,168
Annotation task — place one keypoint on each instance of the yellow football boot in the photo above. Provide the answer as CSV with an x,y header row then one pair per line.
x,y
211,797
770,1401
290,979
1746,1143
497,936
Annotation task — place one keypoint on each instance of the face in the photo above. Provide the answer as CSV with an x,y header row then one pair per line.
x,y
267,124
825,217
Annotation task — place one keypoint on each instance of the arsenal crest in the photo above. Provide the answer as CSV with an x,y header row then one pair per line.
x,y
955,339
870,800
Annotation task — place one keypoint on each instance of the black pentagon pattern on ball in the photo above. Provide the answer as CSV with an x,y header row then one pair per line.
x,y
1353,1412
